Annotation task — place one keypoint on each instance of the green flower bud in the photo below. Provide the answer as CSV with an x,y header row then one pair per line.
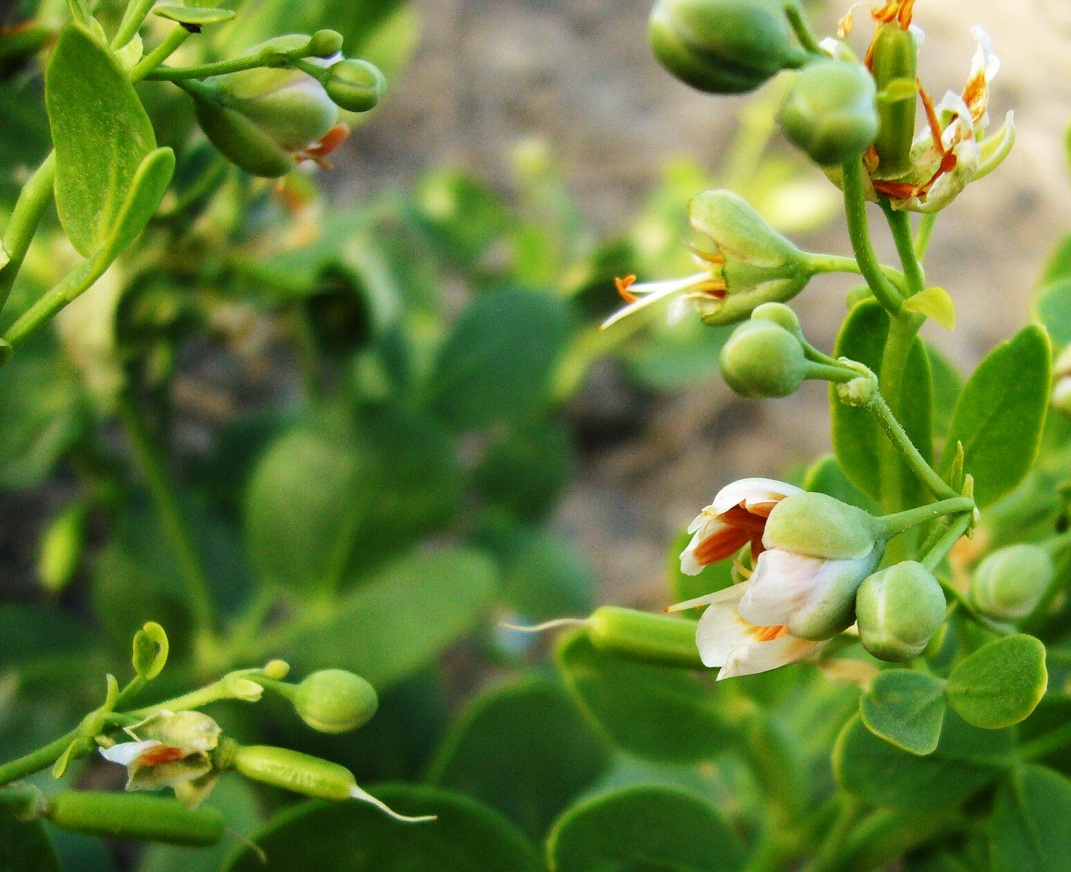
x,y
335,701
818,525
723,46
894,58
325,44
261,119
830,113
122,816
781,314
762,359
898,611
355,85
1009,583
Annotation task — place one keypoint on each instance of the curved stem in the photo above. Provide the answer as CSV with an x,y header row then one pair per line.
x,y
177,531
922,237
33,200
159,54
898,345
37,760
900,225
950,537
802,31
915,461
203,71
133,18
859,234
834,263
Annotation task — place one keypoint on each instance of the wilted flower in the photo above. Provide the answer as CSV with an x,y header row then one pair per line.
x,y
813,553
170,749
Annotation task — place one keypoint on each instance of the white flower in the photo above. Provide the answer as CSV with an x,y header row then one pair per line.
x,y
703,292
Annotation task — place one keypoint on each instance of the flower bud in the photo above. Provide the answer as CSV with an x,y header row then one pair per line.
x,y
335,701
723,46
898,611
818,525
830,113
325,44
260,119
781,314
762,359
1009,583
355,85
894,58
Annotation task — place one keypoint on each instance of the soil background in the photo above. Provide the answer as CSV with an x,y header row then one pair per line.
x,y
579,75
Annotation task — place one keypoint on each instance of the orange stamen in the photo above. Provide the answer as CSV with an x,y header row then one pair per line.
x,y
162,754
768,634
720,545
931,119
623,285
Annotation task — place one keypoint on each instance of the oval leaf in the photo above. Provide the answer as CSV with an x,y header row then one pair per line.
x,y
1053,308
1000,415
857,436
395,622
906,709
934,303
497,361
101,134
655,712
199,17
1029,828
1001,683
150,650
553,753
653,828
357,837
965,761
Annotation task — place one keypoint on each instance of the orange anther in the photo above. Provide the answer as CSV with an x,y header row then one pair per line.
x,y
623,285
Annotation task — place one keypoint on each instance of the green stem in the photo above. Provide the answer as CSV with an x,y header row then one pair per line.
x,y
910,454
217,68
802,31
922,237
895,524
834,263
950,537
859,234
33,200
164,496
159,54
133,18
195,699
37,760
900,225
79,10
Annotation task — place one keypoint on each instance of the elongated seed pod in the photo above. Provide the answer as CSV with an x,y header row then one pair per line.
x,y
894,58
645,636
130,816
292,770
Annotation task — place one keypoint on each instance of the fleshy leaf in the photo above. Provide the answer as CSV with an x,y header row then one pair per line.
x,y
198,17
1001,683
905,708
934,303
1029,828
150,650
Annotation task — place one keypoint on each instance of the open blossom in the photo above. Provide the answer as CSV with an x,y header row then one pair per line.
x,y
953,150
751,264
170,749
813,553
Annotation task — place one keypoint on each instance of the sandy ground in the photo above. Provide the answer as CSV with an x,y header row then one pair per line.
x,y
580,76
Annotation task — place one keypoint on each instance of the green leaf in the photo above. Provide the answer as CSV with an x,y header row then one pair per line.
x,y
1052,307
947,384
496,363
648,828
526,471
553,753
825,476
966,760
543,576
1058,265
906,709
1031,823
395,622
328,500
147,189
856,433
1001,683
1000,415
101,135
199,17
357,837
42,413
934,303
24,846
655,712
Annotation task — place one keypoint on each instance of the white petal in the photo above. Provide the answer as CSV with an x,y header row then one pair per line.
x,y
689,565
764,656
721,630
781,584
126,753
984,60
751,491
